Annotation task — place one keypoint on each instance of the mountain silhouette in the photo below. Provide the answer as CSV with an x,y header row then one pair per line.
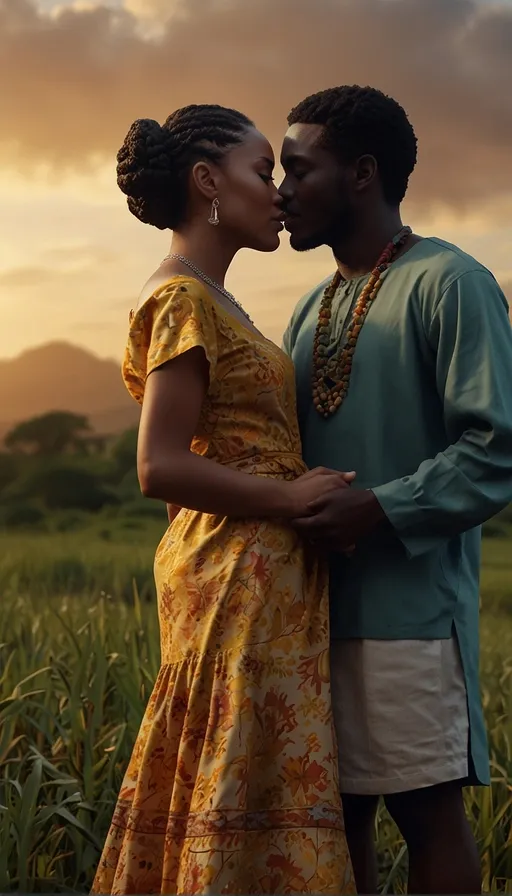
x,y
59,376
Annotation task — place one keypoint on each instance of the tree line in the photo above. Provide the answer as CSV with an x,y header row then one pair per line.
x,y
55,464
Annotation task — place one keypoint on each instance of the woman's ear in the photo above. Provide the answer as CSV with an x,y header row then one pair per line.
x,y
204,178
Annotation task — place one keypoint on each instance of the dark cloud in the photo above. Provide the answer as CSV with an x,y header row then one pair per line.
x,y
73,83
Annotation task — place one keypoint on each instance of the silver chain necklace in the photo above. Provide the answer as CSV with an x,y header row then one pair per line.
x,y
208,280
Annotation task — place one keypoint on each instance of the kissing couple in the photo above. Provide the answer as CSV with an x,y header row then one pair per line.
x,y
318,583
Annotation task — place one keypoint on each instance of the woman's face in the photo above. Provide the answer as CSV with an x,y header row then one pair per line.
x,y
250,207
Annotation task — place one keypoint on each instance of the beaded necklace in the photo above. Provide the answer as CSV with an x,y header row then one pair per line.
x,y
331,376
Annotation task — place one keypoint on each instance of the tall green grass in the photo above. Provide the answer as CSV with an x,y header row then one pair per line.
x,y
105,558
79,652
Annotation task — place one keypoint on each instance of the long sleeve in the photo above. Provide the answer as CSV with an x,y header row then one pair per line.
x,y
470,336
286,342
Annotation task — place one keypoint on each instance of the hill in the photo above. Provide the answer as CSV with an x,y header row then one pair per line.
x,y
61,376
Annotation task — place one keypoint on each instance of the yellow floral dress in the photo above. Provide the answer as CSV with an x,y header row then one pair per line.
x,y
232,785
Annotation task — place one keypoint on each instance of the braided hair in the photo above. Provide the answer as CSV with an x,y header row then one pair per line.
x,y
359,121
154,161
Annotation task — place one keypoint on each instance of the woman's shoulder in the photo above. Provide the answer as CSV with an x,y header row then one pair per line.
x,y
173,316
159,291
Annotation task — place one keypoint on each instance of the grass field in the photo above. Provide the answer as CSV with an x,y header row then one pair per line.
x,y
78,655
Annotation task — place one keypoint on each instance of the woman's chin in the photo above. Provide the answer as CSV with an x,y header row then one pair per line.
x,y
268,244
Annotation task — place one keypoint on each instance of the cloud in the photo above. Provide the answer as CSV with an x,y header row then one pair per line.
x,y
29,277
41,302
76,79
79,256
156,10
59,266
90,327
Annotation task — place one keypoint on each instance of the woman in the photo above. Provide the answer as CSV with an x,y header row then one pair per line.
x,y
232,785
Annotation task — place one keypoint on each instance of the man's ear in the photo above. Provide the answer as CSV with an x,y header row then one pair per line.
x,y
365,171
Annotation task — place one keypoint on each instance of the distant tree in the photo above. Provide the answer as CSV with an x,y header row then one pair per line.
x,y
54,433
8,469
23,515
124,454
95,444
62,487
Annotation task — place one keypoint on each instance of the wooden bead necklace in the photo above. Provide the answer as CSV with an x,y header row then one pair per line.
x,y
331,376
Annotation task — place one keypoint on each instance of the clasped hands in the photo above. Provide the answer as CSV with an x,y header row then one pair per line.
x,y
333,513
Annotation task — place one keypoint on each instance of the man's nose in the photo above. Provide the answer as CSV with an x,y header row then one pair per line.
x,y
284,189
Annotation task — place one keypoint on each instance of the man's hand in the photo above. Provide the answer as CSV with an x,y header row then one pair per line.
x,y
341,518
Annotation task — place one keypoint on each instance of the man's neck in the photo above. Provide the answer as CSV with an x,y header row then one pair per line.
x,y
358,255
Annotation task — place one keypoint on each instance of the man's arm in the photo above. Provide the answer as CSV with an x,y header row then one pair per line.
x,y
287,342
471,480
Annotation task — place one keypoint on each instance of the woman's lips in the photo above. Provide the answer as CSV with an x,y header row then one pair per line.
x,y
288,220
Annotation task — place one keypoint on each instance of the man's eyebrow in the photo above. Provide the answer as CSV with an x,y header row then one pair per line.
x,y
294,157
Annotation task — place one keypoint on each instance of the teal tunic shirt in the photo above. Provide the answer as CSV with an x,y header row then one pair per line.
x,y
427,425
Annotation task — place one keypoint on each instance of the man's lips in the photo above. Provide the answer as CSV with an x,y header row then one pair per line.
x,y
289,219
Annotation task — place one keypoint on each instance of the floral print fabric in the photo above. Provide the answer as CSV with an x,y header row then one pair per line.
x,y
232,786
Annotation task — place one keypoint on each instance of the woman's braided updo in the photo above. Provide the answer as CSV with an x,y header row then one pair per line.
x,y
154,161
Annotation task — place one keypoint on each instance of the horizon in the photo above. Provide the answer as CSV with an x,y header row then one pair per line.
x,y
55,343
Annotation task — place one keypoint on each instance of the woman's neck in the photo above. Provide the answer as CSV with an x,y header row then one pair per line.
x,y
204,249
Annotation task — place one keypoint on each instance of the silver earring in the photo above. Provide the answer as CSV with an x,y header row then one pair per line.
x,y
214,217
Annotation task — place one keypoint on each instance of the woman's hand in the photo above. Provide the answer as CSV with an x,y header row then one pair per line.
x,y
312,487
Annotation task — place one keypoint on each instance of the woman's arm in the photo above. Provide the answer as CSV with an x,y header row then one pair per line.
x,y
170,472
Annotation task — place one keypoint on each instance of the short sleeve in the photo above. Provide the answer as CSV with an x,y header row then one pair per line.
x,y
177,317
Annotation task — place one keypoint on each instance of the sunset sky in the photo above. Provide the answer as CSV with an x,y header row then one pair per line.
x,y
75,73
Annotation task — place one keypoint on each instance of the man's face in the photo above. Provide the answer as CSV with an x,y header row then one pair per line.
x,y
316,190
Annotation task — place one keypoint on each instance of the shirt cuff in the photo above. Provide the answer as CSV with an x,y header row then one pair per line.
x,y
395,500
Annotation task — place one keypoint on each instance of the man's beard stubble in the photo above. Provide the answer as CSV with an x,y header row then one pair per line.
x,y
340,231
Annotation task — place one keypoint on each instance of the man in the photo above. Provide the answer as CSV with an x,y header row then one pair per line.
x,y
403,375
